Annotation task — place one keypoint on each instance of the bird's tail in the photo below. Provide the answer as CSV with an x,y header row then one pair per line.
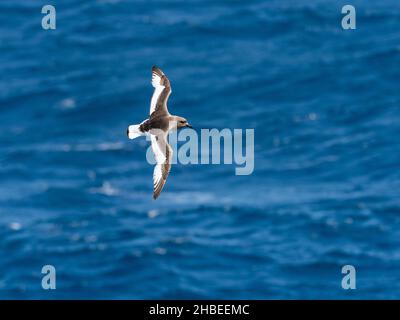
x,y
134,131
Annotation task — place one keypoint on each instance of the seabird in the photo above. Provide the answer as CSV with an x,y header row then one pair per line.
x,y
158,126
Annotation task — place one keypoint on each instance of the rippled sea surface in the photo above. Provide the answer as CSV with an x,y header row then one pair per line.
x,y
75,193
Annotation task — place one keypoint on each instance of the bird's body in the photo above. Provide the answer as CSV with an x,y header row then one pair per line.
x,y
158,125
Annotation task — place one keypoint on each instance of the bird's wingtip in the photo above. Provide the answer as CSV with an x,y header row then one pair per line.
x,y
157,70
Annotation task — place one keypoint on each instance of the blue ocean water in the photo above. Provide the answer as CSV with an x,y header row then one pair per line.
x,y
75,193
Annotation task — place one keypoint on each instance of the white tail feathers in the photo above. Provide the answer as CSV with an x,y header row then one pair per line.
x,y
134,131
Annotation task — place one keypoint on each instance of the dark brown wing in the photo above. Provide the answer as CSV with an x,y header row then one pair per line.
x,y
162,90
163,154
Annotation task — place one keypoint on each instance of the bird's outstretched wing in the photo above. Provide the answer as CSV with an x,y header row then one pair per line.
x,y
163,154
162,90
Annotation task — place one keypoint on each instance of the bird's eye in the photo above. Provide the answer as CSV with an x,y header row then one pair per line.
x,y
182,121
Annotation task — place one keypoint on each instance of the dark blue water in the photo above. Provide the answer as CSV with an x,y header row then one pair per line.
x,y
75,193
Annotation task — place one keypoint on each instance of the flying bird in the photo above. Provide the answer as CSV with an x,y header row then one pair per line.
x,y
158,126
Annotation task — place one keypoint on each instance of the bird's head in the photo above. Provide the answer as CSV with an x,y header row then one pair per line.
x,y
182,123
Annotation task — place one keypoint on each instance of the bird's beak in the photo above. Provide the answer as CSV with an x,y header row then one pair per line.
x,y
189,126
